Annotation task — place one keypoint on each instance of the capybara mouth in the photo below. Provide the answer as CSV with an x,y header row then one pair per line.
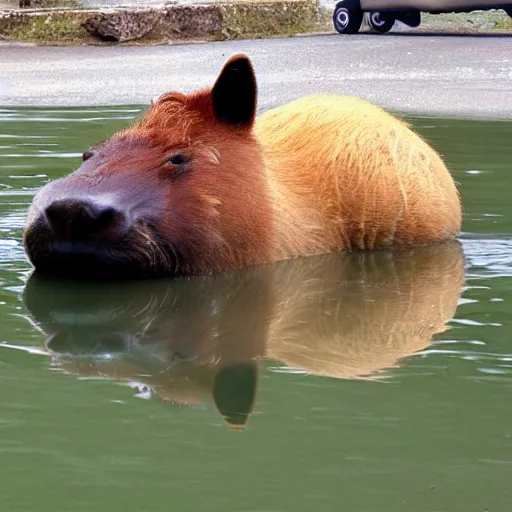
x,y
140,254
82,262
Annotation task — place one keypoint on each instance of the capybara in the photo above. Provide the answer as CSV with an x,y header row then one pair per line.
x,y
198,185
349,315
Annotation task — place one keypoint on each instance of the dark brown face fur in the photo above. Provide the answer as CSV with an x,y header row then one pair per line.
x,y
181,192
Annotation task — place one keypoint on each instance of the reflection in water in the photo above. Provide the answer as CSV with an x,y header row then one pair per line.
x,y
201,340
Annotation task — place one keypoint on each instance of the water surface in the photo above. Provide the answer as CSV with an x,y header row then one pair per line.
x,y
376,382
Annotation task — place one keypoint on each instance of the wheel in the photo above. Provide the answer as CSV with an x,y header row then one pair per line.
x,y
410,18
381,23
347,19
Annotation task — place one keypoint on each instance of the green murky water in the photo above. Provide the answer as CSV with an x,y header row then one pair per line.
x,y
346,382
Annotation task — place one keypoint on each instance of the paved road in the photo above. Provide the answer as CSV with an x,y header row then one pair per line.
x,y
423,74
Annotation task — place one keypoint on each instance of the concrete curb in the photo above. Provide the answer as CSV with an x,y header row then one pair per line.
x,y
171,23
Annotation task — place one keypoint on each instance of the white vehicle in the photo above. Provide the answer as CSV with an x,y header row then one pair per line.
x,y
382,14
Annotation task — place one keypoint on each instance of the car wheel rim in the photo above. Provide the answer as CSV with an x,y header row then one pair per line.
x,y
377,20
342,18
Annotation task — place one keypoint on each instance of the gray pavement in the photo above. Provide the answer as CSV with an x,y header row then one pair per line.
x,y
442,75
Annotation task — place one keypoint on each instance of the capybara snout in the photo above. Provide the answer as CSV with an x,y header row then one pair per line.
x,y
97,223
200,185
84,219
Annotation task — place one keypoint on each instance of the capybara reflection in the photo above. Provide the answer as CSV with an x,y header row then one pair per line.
x,y
344,315
200,185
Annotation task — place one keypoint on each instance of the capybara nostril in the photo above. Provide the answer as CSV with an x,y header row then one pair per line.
x,y
79,220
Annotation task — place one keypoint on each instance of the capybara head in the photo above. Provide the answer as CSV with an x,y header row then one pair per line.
x,y
180,192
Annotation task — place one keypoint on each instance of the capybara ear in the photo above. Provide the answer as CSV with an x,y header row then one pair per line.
x,y
234,93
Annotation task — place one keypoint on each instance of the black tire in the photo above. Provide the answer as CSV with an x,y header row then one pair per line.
x,y
410,18
381,24
347,20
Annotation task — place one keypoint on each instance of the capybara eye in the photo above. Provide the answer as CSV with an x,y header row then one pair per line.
x,y
87,155
178,159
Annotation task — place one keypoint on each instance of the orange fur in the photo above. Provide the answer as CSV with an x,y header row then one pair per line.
x,y
345,174
338,173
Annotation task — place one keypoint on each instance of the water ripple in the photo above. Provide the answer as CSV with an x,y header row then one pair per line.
x,y
488,257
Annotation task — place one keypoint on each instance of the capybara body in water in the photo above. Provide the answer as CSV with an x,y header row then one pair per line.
x,y
198,185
